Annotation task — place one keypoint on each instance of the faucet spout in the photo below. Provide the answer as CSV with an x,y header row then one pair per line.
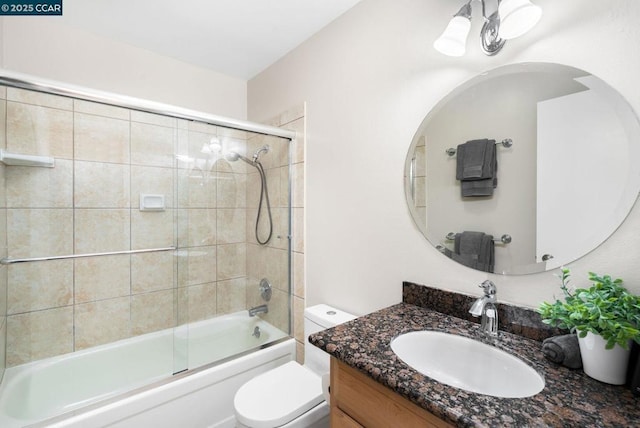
x,y
485,307
262,309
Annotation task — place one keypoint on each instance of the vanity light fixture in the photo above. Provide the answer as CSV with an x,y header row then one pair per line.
x,y
512,18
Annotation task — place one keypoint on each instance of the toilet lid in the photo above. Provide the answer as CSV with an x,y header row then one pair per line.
x,y
278,396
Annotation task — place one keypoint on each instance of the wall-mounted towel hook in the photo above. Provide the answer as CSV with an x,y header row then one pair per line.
x,y
507,142
505,239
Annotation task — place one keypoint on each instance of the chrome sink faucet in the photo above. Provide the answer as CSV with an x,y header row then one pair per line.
x,y
485,307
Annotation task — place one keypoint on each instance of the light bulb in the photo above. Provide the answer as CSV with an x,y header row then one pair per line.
x,y
517,17
453,40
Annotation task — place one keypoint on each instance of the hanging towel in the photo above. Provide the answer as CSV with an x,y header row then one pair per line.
x,y
475,250
476,167
563,350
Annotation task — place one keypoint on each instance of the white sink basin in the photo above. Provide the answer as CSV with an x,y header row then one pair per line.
x,y
467,364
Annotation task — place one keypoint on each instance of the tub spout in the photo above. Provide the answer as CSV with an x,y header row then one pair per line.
x,y
262,309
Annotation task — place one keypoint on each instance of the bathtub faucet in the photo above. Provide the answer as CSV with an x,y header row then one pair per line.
x,y
262,309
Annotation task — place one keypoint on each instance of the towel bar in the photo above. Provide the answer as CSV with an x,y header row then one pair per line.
x,y
507,142
505,239
10,261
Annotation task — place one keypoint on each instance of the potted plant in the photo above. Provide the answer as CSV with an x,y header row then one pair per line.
x,y
606,318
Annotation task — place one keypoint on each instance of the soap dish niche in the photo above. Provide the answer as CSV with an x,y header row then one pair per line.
x,y
151,202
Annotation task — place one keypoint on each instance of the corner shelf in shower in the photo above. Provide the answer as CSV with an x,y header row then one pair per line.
x,y
13,159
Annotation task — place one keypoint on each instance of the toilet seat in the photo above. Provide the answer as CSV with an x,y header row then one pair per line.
x,y
278,396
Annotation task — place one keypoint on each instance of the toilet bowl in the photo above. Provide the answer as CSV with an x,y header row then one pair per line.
x,y
291,396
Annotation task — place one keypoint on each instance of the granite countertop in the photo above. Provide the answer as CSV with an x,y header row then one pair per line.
x,y
570,398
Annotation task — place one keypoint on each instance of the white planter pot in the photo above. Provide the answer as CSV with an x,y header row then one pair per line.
x,y
605,365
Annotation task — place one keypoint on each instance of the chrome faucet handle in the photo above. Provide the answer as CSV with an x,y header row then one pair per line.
x,y
489,288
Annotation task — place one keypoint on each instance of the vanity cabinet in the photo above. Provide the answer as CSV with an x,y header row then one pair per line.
x,y
358,401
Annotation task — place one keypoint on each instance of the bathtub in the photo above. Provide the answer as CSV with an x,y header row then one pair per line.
x,y
129,383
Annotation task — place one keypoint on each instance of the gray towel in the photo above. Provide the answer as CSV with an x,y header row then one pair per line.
x,y
475,250
563,350
476,167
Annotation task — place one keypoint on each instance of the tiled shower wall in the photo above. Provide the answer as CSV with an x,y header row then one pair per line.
x,y
105,158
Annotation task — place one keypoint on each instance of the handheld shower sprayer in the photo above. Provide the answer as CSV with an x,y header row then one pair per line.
x,y
264,194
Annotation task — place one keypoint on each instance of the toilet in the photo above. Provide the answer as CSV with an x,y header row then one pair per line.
x,y
291,396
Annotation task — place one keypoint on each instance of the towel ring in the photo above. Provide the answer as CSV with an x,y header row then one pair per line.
x,y
507,142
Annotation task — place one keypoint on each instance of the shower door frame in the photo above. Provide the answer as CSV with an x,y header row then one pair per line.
x,y
33,83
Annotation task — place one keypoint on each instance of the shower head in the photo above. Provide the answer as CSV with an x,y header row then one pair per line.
x,y
234,156
263,149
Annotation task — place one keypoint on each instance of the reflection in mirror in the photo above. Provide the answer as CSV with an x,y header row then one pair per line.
x,y
564,186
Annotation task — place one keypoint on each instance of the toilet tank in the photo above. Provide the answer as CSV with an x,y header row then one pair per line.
x,y
318,318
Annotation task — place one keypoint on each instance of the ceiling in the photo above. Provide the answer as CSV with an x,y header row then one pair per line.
x,y
238,38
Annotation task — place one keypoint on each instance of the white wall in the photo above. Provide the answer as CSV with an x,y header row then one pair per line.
x,y
43,48
369,79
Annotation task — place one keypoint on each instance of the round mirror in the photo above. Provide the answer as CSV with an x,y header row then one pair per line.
x,y
524,168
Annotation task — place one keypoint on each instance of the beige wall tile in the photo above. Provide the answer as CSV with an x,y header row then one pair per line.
x,y
196,190
3,346
280,219
298,319
152,271
40,131
270,263
152,145
278,308
3,233
98,230
298,185
202,127
298,230
197,265
101,185
3,186
39,232
102,139
37,286
231,261
298,275
231,225
3,291
153,119
253,186
152,229
3,124
101,322
81,106
236,134
202,301
299,352
231,296
299,142
283,199
232,190
153,311
152,180
29,187
104,277
3,92
199,227
36,335
39,99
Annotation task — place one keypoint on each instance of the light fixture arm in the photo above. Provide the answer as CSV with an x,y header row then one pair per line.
x,y
465,11
490,41
518,16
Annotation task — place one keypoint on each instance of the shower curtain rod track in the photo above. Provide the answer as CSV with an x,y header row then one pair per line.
x,y
10,261
24,81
